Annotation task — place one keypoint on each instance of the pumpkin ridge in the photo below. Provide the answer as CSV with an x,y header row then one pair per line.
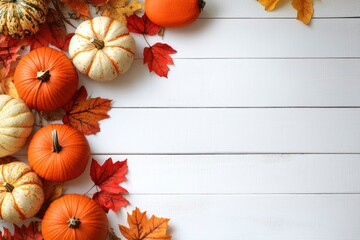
x,y
92,29
34,7
29,170
80,35
118,37
18,209
91,63
8,101
123,48
4,148
108,28
79,52
32,17
6,135
113,63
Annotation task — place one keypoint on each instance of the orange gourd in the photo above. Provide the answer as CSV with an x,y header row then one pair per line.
x,y
58,152
45,79
169,13
75,217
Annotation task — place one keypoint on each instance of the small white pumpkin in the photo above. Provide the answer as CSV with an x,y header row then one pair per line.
x,y
16,124
102,48
21,192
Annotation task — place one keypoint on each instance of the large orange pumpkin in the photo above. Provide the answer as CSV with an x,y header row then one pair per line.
x,y
169,13
58,152
45,79
75,217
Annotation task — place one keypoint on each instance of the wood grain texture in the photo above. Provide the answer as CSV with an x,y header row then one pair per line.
x,y
308,130
237,83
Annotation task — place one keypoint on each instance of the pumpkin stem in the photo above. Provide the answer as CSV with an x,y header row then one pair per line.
x,y
202,4
99,44
73,222
56,147
8,186
43,76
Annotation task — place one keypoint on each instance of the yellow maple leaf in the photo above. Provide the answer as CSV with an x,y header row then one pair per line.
x,y
269,4
305,10
142,228
120,9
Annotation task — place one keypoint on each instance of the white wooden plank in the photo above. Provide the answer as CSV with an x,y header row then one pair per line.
x,y
262,38
258,217
233,174
252,9
237,83
228,131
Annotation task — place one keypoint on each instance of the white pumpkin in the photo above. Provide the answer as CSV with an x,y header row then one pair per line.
x,y
102,48
21,192
16,124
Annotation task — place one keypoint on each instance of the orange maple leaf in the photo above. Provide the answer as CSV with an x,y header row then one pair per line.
x,y
78,6
142,228
304,8
84,114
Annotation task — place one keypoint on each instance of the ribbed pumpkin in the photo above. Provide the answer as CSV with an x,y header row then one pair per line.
x,y
102,48
75,217
16,124
21,193
21,17
45,79
58,152
169,13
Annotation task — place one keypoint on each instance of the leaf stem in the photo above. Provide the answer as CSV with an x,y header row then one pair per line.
x,y
90,189
146,40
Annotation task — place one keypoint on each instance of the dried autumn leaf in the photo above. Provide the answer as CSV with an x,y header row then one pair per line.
x,y
84,114
108,200
6,235
109,175
53,115
98,2
52,191
142,228
7,85
120,9
78,6
31,232
142,25
8,159
9,52
157,57
111,235
305,10
269,4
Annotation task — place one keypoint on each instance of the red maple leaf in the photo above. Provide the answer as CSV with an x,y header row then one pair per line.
x,y
31,232
157,57
53,31
84,114
109,200
6,235
108,177
142,25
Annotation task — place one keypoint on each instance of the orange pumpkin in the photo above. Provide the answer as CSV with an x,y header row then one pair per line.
x,y
45,79
169,13
58,152
75,217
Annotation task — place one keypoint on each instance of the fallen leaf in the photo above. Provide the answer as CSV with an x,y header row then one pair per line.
x,y
141,228
8,159
111,235
157,57
64,44
98,2
109,175
84,114
52,191
6,235
304,9
7,85
31,232
142,25
108,200
269,4
53,115
78,6
9,52
120,9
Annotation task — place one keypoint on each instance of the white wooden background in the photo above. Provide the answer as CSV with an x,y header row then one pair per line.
x,y
256,133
